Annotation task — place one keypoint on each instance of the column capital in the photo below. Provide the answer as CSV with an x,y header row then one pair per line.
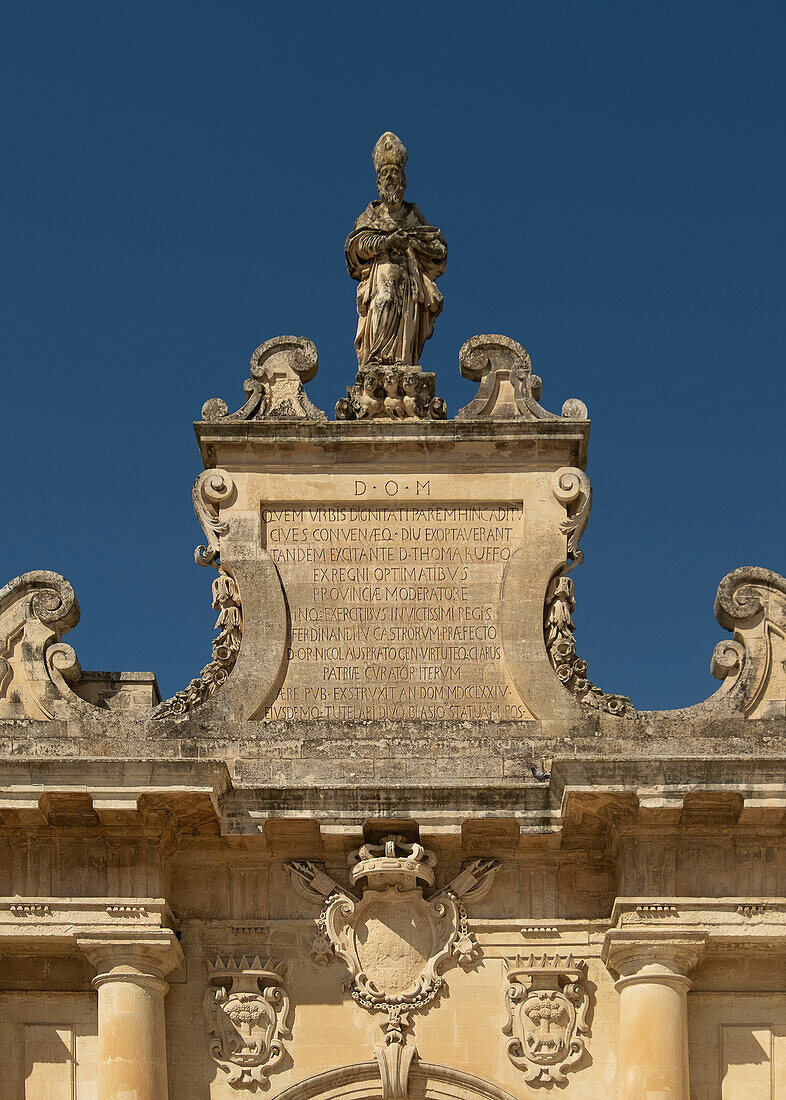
x,y
664,955
145,957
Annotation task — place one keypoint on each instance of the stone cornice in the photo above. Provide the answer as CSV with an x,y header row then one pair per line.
x,y
288,446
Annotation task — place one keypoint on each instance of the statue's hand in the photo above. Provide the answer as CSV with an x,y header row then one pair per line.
x,y
398,240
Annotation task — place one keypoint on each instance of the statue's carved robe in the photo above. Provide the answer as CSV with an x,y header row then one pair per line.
x,y
398,300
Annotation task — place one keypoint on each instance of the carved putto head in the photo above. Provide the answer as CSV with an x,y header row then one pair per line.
x,y
393,862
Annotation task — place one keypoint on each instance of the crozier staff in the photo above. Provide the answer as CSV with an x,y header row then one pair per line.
x,y
395,256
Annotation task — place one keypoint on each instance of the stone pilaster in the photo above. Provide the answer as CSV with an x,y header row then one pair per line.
x,y
131,1026
652,981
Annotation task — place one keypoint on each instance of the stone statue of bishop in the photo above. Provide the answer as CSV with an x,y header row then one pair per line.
x,y
395,256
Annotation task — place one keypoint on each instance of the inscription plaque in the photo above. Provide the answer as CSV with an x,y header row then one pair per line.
x,y
393,609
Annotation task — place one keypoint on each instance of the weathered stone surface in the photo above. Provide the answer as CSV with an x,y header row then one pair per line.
x,y
396,258
391,842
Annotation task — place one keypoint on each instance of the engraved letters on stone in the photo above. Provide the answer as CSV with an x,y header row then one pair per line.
x,y
246,1009
547,1003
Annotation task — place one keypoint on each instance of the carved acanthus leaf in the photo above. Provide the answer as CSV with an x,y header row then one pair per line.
x,y
226,646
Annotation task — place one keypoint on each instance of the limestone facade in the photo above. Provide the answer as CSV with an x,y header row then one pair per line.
x,y
391,841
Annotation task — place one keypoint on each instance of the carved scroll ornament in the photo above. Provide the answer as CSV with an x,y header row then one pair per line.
x,y
508,390
548,1003
246,1011
279,367
751,601
212,488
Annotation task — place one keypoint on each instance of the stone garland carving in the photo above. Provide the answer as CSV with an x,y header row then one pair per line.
x,y
392,393
246,1011
395,942
226,645
572,489
279,367
548,1004
561,645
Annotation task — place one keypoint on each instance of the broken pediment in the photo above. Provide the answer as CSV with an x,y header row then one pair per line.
x,y
394,565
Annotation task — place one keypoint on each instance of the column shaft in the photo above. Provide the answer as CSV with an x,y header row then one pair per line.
x,y
131,1022
131,1036
654,1036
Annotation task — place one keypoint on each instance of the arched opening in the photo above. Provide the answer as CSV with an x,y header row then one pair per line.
x,y
362,1081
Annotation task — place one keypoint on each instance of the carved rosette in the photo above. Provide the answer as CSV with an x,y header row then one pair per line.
x,y
548,1004
246,1010
397,392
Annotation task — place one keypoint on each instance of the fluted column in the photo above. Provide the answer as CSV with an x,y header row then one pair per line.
x,y
131,1026
653,986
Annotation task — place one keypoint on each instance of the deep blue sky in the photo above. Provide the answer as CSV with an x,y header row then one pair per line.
x,y
178,180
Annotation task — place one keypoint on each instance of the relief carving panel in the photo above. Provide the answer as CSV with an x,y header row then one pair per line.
x,y
246,1010
548,1004
394,608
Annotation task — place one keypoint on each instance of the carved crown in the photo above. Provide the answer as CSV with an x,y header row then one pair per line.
x,y
389,150
394,861
521,968
270,972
